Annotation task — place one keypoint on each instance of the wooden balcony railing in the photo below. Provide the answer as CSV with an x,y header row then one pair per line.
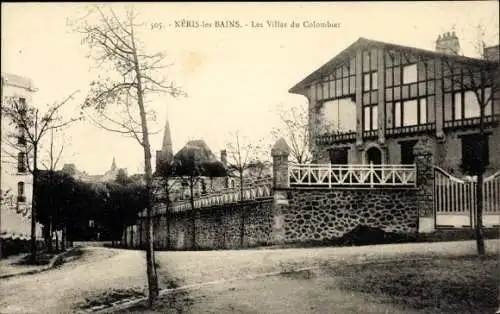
x,y
469,122
420,128
330,175
335,138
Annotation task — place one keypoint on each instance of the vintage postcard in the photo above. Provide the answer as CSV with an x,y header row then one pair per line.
x,y
282,157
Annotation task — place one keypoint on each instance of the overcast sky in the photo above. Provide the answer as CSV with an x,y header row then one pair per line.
x,y
235,78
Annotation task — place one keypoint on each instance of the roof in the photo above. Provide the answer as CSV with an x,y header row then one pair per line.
x,y
363,43
199,148
10,79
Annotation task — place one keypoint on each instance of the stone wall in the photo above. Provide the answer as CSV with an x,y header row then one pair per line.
x,y
228,226
324,215
302,214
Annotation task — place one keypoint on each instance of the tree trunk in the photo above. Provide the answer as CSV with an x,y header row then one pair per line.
x,y
479,216
63,238
33,209
479,187
148,174
57,241
193,211
49,243
167,218
242,224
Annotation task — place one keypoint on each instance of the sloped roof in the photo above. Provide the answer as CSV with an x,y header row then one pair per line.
x,y
199,148
18,81
364,43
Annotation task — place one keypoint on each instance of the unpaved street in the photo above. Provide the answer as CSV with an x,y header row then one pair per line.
x,y
101,269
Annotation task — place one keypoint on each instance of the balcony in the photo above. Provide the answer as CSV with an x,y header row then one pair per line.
x,y
492,120
411,129
352,176
326,139
21,198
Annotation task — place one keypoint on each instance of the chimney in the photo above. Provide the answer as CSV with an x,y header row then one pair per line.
x,y
448,43
492,53
223,157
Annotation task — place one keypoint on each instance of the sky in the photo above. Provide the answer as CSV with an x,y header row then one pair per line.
x,y
235,79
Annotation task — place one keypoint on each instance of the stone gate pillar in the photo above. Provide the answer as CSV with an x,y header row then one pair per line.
x,y
280,153
423,152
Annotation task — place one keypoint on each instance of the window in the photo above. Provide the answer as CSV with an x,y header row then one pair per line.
x,y
20,192
21,162
422,111
466,105
457,106
20,188
410,112
370,81
471,108
475,153
367,117
370,118
410,74
338,156
338,115
397,114
21,139
407,156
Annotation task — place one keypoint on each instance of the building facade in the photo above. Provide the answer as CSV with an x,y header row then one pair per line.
x,y
16,181
108,176
373,101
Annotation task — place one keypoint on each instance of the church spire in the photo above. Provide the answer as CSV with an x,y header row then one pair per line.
x,y
166,148
113,165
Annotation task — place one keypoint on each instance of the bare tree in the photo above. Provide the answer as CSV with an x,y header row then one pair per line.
x,y
120,96
481,79
244,160
296,129
32,125
54,156
244,163
165,172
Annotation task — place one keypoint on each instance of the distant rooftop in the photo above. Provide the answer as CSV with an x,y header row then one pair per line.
x,y
10,79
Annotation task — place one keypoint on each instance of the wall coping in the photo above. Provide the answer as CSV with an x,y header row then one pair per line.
x,y
385,188
225,205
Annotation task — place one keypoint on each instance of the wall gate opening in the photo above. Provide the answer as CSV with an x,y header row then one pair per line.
x,y
455,201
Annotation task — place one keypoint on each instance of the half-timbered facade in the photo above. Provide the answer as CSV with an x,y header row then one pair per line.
x,y
374,100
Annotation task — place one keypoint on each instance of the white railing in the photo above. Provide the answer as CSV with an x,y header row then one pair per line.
x,y
331,175
255,190
454,195
491,194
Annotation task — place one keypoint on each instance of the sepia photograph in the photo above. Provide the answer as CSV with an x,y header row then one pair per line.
x,y
250,157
